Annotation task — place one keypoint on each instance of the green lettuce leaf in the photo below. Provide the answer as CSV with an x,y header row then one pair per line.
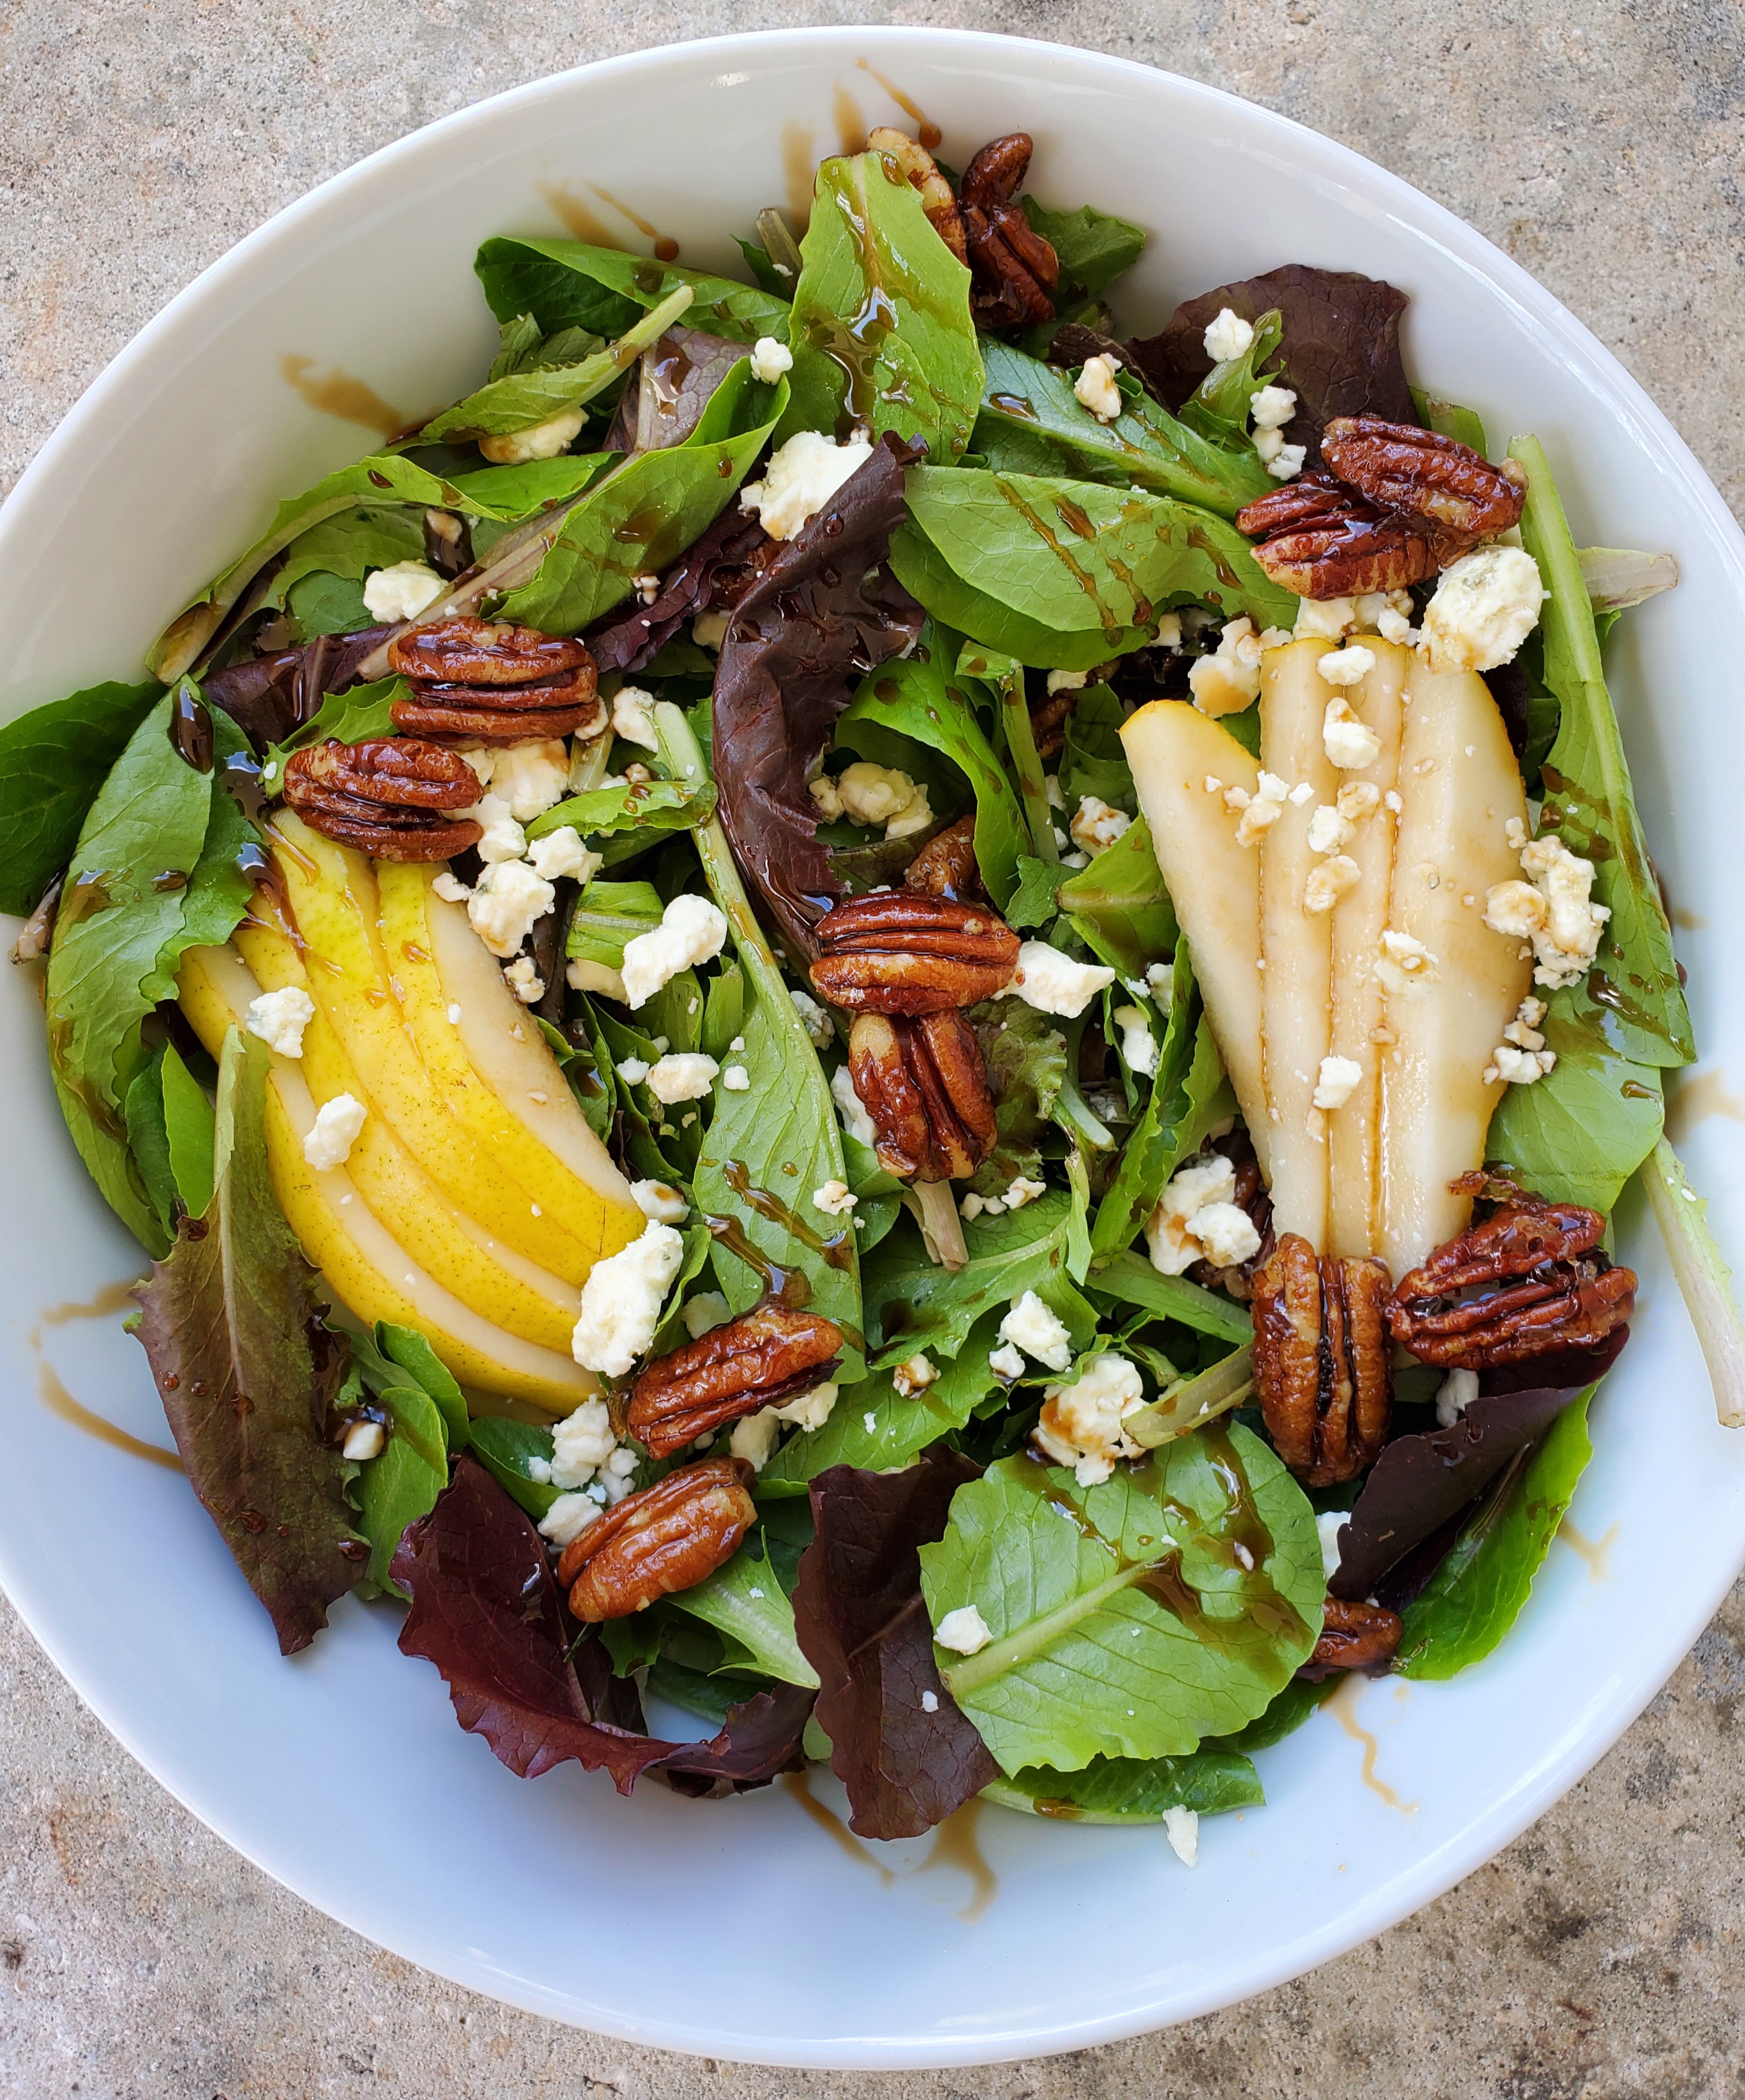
x,y
746,1604
349,546
1478,1593
53,761
879,326
1092,247
1577,1135
1119,905
402,1482
1017,637
1129,1279
507,1448
566,283
1133,1790
1124,1622
1703,1277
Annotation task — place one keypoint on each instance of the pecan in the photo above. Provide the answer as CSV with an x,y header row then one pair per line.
x,y
902,952
1048,722
1354,1636
489,682
925,1085
1421,473
767,1356
1529,1279
1014,269
1322,540
1321,1359
922,171
384,796
946,866
666,1537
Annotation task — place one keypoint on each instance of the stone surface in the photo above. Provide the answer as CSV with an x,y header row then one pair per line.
x,y
1599,1955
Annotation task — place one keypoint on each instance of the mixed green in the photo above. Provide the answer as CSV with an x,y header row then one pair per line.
x,y
977,577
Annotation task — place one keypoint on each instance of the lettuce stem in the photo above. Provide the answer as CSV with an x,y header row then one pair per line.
x,y
1704,1277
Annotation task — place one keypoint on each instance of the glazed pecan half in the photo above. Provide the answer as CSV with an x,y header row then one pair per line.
x,y
1014,269
489,682
1354,1636
1528,1279
666,1537
767,1357
384,796
946,866
1321,539
903,951
925,1085
1321,1359
922,171
1048,722
1421,473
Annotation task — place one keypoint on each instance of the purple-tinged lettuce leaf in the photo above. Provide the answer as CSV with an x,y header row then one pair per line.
x,y
1340,346
823,614
486,1612
627,639
863,1624
231,1327
269,697
670,389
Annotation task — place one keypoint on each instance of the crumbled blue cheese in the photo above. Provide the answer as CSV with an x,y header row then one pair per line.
x,y
1405,967
1095,389
280,1017
1229,336
929,1702
524,981
1485,606
852,1110
1336,1081
1347,666
692,930
800,479
544,440
815,1020
570,1515
1080,1424
869,794
1198,1219
1553,910
736,1079
769,359
1328,880
450,888
509,900
1181,1827
1097,824
1271,408
836,1199
528,779
1350,743
1006,1362
334,1131
1055,983
915,1375
1138,1044
1328,1525
1454,1395
682,1076
965,1630
580,1444
402,591
561,852
705,1311
1022,1191
633,717
363,1441
621,1300
661,1201
503,839
1039,1331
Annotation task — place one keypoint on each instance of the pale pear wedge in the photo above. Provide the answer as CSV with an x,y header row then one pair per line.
x,y
1354,1156
500,1284
331,901
491,1061
1173,750
1459,785
1296,945
364,1265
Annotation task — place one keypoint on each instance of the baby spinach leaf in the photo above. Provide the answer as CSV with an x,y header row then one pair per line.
x,y
568,283
1133,1790
1084,567
403,1481
1031,422
915,696
1092,760
1588,801
53,761
879,326
230,1324
1478,1593
639,517
412,1354
190,1126
921,569
1092,247
1125,1623
348,546
1286,1713
745,1603
149,1140
1577,1135
1119,905
1130,1279
509,1450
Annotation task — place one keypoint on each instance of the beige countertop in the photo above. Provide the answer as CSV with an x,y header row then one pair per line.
x,y
1601,146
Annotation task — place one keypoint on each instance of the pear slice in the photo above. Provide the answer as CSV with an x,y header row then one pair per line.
x,y
1173,750
1359,919
1459,785
500,1284
1297,991
363,1261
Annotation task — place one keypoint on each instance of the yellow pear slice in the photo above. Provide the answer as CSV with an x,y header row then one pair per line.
x,y
477,1154
1359,918
483,1047
363,1262
1459,785
1173,750
500,1284
1296,943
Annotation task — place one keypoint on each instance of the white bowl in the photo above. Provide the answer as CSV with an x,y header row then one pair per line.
x,y
744,1929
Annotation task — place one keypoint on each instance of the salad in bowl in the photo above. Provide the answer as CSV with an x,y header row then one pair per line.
x,y
867,1009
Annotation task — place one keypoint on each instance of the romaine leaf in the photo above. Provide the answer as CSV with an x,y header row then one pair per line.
x,y
1093,248
1577,1135
1133,1790
1124,1622
639,517
1120,907
745,1602
1300,1699
566,283
860,1619
1033,422
149,1140
880,327
229,1322
1478,1593
53,762
1588,802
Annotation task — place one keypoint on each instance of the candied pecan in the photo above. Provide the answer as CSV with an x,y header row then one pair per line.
x,y
925,1085
1048,722
901,952
1321,1359
384,796
1354,1636
922,171
1529,1279
485,652
767,1357
1421,473
946,866
489,682
1322,540
1016,270
666,1537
